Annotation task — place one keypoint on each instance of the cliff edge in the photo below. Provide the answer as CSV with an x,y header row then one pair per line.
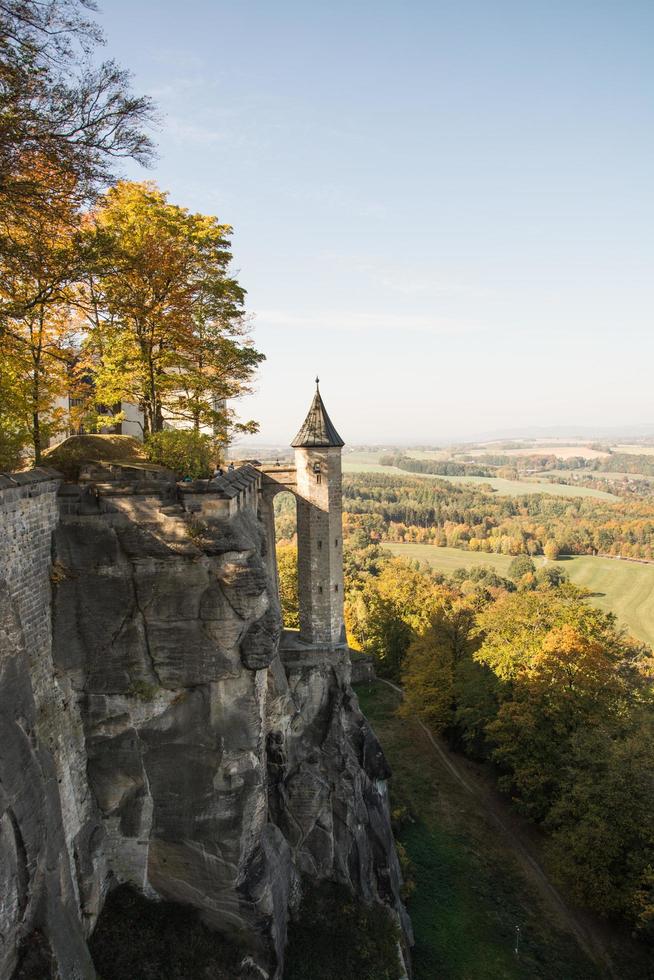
x,y
159,728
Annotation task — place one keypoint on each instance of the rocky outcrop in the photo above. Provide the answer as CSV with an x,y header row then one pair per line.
x,y
220,766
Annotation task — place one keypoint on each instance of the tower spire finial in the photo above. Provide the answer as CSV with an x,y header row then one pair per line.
x,y
317,381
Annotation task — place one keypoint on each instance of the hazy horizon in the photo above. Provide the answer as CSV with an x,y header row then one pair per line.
x,y
445,209
576,435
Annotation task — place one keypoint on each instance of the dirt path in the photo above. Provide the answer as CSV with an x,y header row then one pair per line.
x,y
587,935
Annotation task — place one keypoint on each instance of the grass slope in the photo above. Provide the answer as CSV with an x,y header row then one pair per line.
x,y
471,893
623,587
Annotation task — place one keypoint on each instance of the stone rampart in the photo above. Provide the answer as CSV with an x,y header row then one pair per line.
x,y
28,516
225,496
45,809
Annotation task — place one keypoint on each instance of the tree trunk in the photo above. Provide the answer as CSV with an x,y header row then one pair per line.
x,y
36,421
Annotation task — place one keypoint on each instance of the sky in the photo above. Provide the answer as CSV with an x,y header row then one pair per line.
x,y
444,208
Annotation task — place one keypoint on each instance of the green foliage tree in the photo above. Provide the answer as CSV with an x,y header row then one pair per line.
x,y
186,452
520,566
602,822
431,666
396,605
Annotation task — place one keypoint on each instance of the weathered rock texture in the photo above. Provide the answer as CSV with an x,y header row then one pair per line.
x,y
164,738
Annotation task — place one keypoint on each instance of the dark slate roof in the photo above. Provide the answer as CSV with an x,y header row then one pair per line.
x,y
318,429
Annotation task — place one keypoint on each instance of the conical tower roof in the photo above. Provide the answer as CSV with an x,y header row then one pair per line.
x,y
318,429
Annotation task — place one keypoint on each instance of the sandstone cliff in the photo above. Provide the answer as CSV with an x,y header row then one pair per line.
x,y
166,737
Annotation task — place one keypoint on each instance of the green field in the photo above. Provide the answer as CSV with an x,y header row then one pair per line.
x,y
625,588
364,463
471,891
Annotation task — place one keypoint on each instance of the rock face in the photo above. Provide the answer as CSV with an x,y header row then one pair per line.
x,y
214,765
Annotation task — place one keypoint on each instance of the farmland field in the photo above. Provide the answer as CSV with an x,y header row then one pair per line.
x,y
623,587
563,452
365,463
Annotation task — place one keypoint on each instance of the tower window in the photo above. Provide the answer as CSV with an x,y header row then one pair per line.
x,y
319,545
336,543
317,469
335,588
320,589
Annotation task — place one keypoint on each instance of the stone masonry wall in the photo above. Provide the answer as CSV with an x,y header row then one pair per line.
x,y
44,802
28,512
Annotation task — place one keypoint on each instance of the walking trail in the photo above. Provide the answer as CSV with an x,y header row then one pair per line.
x,y
587,934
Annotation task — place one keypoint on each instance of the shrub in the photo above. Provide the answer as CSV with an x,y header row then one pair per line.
x,y
520,566
11,449
551,550
336,935
186,452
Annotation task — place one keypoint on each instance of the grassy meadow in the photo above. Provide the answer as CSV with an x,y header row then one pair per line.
x,y
471,891
625,588
369,463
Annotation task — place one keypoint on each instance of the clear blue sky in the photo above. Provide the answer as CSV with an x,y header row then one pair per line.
x,y
444,207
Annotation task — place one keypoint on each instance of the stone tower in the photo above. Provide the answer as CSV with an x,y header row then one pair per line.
x,y
319,527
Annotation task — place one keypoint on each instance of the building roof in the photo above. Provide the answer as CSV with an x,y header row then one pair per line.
x,y
318,429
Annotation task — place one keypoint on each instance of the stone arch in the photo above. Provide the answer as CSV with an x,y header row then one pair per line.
x,y
275,482
284,509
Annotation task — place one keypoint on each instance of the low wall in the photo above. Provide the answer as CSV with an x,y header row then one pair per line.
x,y
225,496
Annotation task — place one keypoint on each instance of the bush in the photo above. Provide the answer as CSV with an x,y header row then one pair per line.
x,y
336,935
186,452
551,550
520,566
12,445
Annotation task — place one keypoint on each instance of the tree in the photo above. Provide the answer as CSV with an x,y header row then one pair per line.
x,y
14,430
166,319
602,824
37,274
551,550
397,605
520,566
288,590
430,668
56,104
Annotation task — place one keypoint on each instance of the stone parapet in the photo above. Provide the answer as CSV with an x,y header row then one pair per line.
x,y
224,496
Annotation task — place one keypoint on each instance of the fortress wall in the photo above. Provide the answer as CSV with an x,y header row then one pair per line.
x,y
28,516
44,800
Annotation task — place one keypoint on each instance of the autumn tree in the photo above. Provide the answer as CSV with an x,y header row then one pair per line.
x,y
166,322
59,104
65,120
433,660
551,550
37,275
288,588
395,606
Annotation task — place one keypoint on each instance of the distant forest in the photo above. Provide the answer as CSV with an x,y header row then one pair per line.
x,y
393,508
